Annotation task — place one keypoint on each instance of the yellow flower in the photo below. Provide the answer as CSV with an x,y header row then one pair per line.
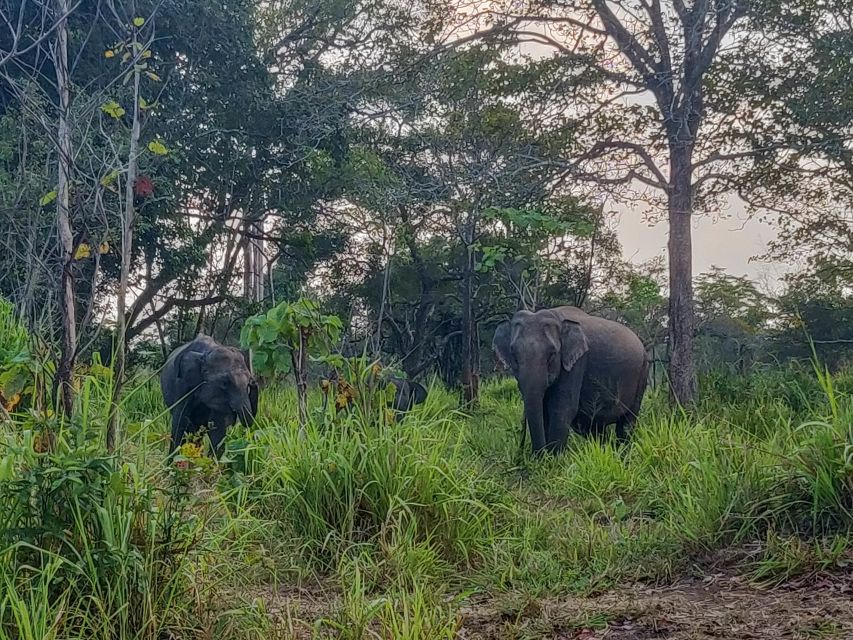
x,y
191,450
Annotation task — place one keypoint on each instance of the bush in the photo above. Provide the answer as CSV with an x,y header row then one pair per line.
x,y
82,533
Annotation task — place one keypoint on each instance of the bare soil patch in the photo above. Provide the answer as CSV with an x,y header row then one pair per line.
x,y
712,608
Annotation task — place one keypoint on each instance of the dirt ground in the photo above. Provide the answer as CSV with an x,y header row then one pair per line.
x,y
717,607
695,610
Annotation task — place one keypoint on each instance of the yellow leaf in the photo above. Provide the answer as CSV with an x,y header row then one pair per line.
x,y
109,53
104,247
47,198
153,76
83,251
109,178
190,450
11,403
157,148
138,22
146,54
113,109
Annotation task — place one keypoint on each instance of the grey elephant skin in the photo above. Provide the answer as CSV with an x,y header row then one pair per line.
x,y
574,370
407,394
205,382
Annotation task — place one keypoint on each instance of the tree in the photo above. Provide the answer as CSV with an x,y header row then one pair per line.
x,y
282,340
671,147
732,313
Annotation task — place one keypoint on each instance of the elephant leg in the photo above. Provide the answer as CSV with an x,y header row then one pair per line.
x,y
217,433
179,427
626,422
624,425
562,401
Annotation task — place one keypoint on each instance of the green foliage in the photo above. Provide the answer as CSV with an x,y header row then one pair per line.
x,y
275,336
89,533
18,367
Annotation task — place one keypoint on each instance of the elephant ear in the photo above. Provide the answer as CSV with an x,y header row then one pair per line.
x,y
500,344
191,368
574,344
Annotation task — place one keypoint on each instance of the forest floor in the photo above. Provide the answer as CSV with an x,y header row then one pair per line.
x,y
731,522
714,607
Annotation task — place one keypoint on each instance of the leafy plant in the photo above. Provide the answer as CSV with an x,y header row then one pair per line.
x,y
285,337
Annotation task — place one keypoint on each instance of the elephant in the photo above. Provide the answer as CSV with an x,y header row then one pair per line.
x,y
407,394
574,370
204,381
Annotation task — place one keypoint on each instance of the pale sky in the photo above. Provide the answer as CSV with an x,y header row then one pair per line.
x,y
728,242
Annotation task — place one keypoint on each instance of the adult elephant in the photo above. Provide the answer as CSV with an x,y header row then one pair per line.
x,y
573,370
203,382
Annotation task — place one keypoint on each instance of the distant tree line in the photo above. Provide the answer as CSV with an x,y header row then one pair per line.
x,y
420,172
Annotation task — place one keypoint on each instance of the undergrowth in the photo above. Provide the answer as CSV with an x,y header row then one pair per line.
x,y
393,523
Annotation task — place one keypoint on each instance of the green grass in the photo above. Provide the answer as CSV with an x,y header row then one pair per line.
x,y
391,526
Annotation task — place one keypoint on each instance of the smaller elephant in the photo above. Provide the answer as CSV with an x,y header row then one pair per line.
x,y
407,394
203,382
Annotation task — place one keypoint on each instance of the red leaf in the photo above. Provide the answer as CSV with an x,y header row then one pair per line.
x,y
143,187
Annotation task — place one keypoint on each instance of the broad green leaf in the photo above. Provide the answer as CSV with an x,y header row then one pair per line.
x,y
158,148
138,22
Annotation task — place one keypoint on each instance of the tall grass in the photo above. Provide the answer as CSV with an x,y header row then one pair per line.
x,y
396,521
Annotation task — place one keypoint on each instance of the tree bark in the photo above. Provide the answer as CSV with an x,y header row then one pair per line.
x,y
470,384
248,259
300,372
682,377
258,261
126,251
65,367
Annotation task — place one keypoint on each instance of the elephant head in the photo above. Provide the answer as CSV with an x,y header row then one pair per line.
x,y
223,382
407,393
541,349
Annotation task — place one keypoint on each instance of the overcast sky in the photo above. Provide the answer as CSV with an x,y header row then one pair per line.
x,y
728,242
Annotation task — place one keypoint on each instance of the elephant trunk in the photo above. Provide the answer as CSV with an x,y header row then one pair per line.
x,y
534,415
244,412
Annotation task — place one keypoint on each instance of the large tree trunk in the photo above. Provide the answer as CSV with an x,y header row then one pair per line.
x,y
682,378
65,367
126,252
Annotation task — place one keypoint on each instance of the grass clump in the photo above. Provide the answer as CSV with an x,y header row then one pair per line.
x,y
404,491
